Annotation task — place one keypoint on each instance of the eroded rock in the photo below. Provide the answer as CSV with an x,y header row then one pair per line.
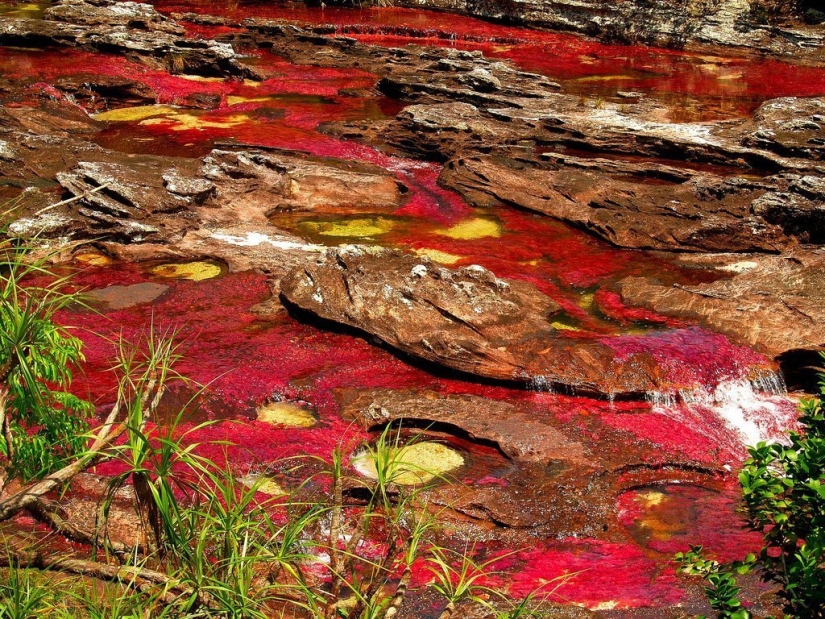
x,y
517,433
465,319
773,303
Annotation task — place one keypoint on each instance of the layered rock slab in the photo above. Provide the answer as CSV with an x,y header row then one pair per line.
x,y
466,319
773,303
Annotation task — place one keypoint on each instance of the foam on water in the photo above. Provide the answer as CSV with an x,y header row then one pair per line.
x,y
735,412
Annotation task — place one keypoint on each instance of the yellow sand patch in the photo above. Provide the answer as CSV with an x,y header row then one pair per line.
x,y
93,258
263,484
360,228
586,300
251,83
413,464
286,414
195,271
180,121
140,112
729,76
439,256
476,228
235,100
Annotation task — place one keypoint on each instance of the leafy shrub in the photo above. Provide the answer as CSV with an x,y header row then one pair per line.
x,y
42,423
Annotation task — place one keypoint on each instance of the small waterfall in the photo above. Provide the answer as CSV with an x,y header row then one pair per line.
x,y
751,410
539,383
662,399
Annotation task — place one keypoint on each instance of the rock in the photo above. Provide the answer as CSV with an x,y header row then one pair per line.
x,y
128,197
274,182
514,431
465,319
646,206
120,297
723,23
772,303
121,14
790,126
133,29
481,80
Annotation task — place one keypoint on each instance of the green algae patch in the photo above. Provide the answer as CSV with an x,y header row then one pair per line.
x,y
195,271
413,464
135,114
476,228
362,227
287,414
436,255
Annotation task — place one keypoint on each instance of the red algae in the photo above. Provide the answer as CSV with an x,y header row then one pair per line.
x,y
707,407
700,86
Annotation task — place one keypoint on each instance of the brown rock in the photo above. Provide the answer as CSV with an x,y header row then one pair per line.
x,y
271,182
773,303
641,205
465,319
518,434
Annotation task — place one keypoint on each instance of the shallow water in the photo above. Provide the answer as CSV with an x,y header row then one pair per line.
x,y
719,396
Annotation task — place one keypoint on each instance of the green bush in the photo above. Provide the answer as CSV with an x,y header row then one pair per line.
x,y
42,423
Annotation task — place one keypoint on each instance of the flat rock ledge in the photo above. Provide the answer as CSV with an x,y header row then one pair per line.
x,y
464,319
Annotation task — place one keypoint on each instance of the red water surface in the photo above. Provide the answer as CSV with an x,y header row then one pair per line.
x,y
698,86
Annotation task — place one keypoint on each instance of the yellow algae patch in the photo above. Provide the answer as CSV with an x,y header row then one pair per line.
x,y
439,256
201,78
586,300
563,326
93,258
263,484
251,83
605,78
360,228
476,228
651,499
286,414
412,464
186,122
196,271
140,112
235,100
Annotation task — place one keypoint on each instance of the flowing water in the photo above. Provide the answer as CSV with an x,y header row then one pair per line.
x,y
722,397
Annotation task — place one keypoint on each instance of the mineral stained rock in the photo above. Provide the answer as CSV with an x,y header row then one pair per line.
x,y
465,319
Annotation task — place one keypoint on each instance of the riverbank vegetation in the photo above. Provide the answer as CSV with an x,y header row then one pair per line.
x,y
208,543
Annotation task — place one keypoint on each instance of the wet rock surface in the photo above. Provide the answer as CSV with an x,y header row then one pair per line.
x,y
728,23
758,301
133,29
544,479
465,319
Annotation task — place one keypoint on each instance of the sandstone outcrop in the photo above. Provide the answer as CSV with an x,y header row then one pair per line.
x,y
465,319
773,303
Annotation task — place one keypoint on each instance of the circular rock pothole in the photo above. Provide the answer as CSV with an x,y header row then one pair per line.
x,y
412,464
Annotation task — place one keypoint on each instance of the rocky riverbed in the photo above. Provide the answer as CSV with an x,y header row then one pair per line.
x,y
569,289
